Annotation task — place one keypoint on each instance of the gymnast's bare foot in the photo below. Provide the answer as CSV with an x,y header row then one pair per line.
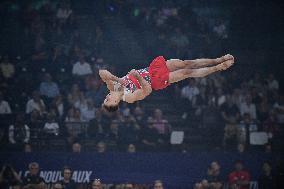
x,y
225,65
224,58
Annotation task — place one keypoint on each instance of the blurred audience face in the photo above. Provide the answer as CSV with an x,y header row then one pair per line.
x,y
67,173
101,147
158,185
27,148
266,167
158,114
76,148
241,148
131,148
138,111
34,168
247,118
96,184
215,166
268,148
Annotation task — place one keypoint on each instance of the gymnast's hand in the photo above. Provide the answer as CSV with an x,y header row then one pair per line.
x,y
121,81
134,73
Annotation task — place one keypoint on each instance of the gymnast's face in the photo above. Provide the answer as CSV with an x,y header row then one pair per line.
x,y
112,99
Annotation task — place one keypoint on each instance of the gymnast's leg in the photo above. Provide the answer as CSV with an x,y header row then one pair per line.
x,y
182,74
176,64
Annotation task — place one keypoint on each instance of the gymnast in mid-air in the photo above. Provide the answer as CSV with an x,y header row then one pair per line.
x,y
138,84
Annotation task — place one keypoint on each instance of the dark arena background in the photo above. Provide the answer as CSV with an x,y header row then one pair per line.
x,y
224,131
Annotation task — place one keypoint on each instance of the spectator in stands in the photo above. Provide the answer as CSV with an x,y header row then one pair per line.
x,y
238,97
149,136
273,84
158,184
131,148
67,182
213,179
190,91
230,114
51,127
239,178
33,179
9,178
230,111
74,115
48,88
60,104
160,123
81,68
96,184
271,126
140,117
241,148
97,92
73,124
63,12
96,132
266,180
263,109
213,176
36,103
35,123
248,107
268,148
75,97
112,135
88,111
246,126
101,147
76,147
4,106
28,148
221,97
128,131
7,69
19,133
279,106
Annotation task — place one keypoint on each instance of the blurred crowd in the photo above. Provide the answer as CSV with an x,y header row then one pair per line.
x,y
50,89
238,178
9,178
231,108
